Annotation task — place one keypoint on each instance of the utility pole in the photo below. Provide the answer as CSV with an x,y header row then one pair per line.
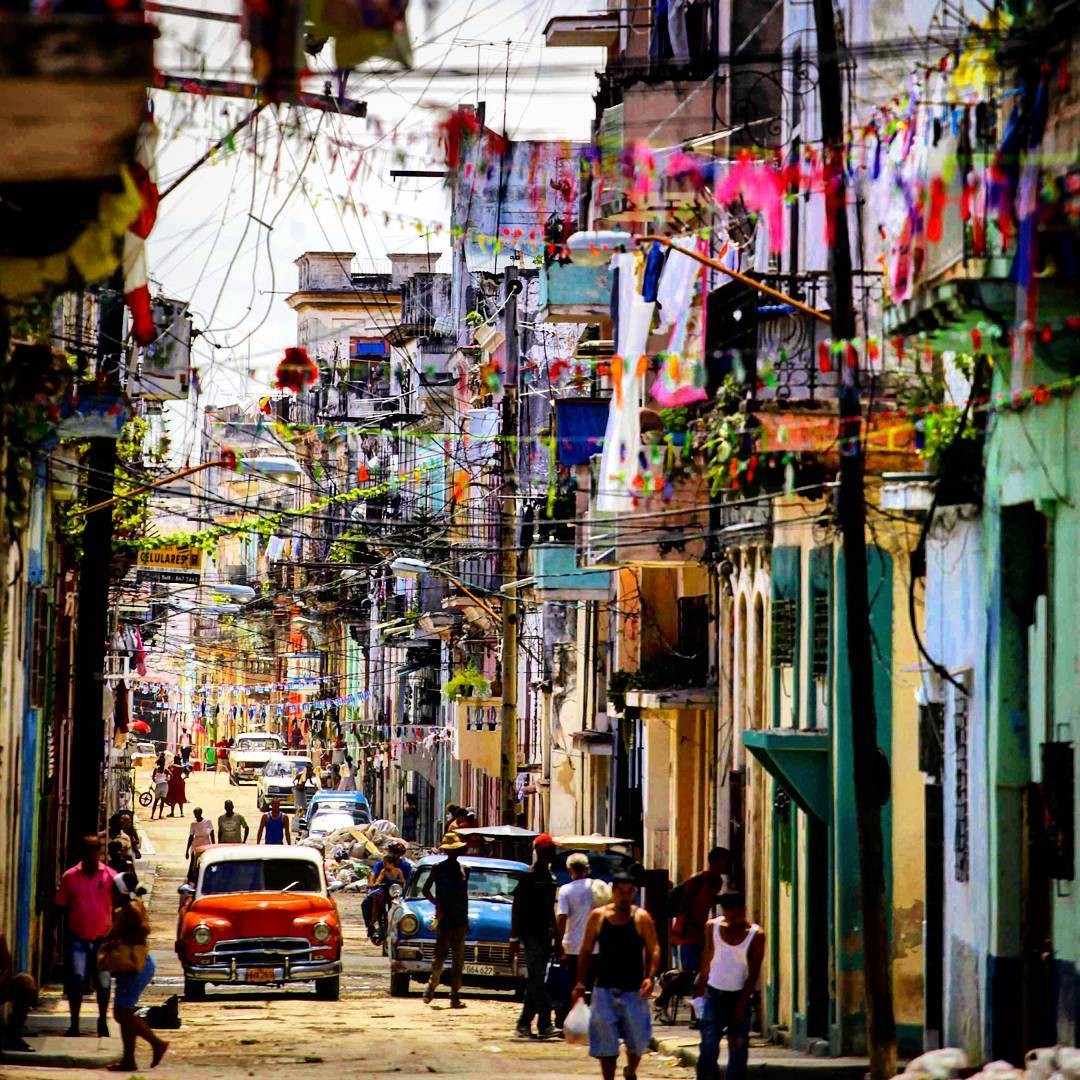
x,y
509,561
866,758
92,625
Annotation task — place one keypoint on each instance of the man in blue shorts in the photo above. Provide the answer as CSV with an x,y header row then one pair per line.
x,y
627,957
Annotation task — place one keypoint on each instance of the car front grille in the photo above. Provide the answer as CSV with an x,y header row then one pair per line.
x,y
267,952
476,952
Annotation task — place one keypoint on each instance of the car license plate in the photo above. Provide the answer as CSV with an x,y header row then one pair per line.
x,y
259,975
479,969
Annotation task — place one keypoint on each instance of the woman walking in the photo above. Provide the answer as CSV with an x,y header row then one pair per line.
x,y
127,942
160,779
177,793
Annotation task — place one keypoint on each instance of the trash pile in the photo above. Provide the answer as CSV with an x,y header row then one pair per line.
x,y
1046,1063
350,853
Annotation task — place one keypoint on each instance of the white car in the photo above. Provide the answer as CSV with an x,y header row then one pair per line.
x,y
276,781
251,752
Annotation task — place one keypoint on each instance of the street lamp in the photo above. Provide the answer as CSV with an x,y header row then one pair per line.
x,y
237,592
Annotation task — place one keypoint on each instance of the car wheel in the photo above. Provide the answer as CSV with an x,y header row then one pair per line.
x,y
399,985
328,989
260,805
194,990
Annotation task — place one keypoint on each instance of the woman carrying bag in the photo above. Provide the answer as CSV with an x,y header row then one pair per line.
x,y
125,955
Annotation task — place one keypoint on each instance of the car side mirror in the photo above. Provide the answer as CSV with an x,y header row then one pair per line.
x,y
186,890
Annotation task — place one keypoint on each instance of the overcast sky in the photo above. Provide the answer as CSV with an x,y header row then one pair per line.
x,y
213,245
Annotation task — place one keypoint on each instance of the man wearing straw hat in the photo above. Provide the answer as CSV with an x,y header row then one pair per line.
x,y
447,888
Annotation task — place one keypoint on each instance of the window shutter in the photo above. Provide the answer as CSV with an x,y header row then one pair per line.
x,y
782,621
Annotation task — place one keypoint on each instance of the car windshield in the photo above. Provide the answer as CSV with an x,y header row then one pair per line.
x,y
265,743
485,883
327,821
360,812
260,875
284,767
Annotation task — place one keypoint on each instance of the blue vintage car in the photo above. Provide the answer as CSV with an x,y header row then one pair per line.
x,y
411,940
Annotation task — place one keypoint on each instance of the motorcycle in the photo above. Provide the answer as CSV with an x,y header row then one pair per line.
x,y
380,924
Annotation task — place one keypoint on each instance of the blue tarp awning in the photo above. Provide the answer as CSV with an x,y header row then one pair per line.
x,y
580,424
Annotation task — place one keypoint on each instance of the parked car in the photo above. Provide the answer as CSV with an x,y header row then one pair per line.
x,y
144,752
259,915
411,939
607,854
344,804
330,816
276,781
251,752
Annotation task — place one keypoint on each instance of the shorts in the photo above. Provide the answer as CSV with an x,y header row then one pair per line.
x,y
82,963
162,789
615,1015
129,988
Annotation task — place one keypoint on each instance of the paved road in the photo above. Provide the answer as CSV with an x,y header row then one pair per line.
x,y
236,1034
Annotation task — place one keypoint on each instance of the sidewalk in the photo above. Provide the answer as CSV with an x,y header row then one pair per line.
x,y
53,1050
681,1041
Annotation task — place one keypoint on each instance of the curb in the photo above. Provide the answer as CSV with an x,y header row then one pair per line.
x,y
796,1066
56,1061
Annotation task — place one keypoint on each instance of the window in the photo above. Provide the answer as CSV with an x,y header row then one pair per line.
x,y
783,633
820,644
962,826
260,875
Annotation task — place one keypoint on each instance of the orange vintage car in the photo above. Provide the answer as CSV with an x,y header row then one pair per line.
x,y
259,915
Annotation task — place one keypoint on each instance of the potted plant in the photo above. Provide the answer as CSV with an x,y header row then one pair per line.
x,y
465,683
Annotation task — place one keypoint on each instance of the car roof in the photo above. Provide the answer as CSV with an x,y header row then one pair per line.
x,y
480,864
246,852
260,735
323,795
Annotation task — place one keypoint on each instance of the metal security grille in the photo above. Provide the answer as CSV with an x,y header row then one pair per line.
x,y
820,616
782,619
961,833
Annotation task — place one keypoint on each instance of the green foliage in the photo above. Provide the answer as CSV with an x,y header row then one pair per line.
x,y
130,515
467,683
474,319
676,419
940,421
723,437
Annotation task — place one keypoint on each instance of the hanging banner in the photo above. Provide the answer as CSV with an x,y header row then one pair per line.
x,y
171,562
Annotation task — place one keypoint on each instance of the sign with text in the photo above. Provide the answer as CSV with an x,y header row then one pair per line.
x,y
171,562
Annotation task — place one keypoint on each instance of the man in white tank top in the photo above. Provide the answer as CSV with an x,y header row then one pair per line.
x,y
734,950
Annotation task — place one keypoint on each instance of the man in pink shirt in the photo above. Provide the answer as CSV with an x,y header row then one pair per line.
x,y
87,895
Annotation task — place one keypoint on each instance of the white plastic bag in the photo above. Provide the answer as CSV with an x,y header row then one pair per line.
x,y
575,1027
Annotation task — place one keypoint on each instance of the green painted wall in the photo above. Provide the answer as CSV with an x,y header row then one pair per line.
x,y
851,1033
1032,457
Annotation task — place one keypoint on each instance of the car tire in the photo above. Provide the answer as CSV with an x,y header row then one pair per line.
x,y
194,990
328,989
399,985
260,805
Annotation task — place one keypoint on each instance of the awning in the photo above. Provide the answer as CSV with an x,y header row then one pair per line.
x,y
580,424
799,762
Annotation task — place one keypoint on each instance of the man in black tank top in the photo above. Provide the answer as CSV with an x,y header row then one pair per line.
x,y
626,963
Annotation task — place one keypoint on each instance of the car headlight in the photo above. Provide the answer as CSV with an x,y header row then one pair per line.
x,y
321,931
202,935
408,924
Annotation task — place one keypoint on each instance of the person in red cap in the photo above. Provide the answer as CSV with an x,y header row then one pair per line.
x,y
532,929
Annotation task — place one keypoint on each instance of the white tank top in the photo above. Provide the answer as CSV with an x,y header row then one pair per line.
x,y
730,969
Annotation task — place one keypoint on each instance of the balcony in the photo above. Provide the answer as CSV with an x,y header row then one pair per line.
x,y
574,293
582,31
559,578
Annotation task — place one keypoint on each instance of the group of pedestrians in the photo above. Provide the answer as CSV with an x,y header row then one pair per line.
x,y
105,940
170,785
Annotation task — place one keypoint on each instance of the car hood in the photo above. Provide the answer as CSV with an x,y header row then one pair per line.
x,y
261,914
489,920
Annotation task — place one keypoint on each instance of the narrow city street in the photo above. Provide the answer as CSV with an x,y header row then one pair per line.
x,y
367,1033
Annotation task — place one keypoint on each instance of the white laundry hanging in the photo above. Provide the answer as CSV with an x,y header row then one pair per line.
x,y
622,438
